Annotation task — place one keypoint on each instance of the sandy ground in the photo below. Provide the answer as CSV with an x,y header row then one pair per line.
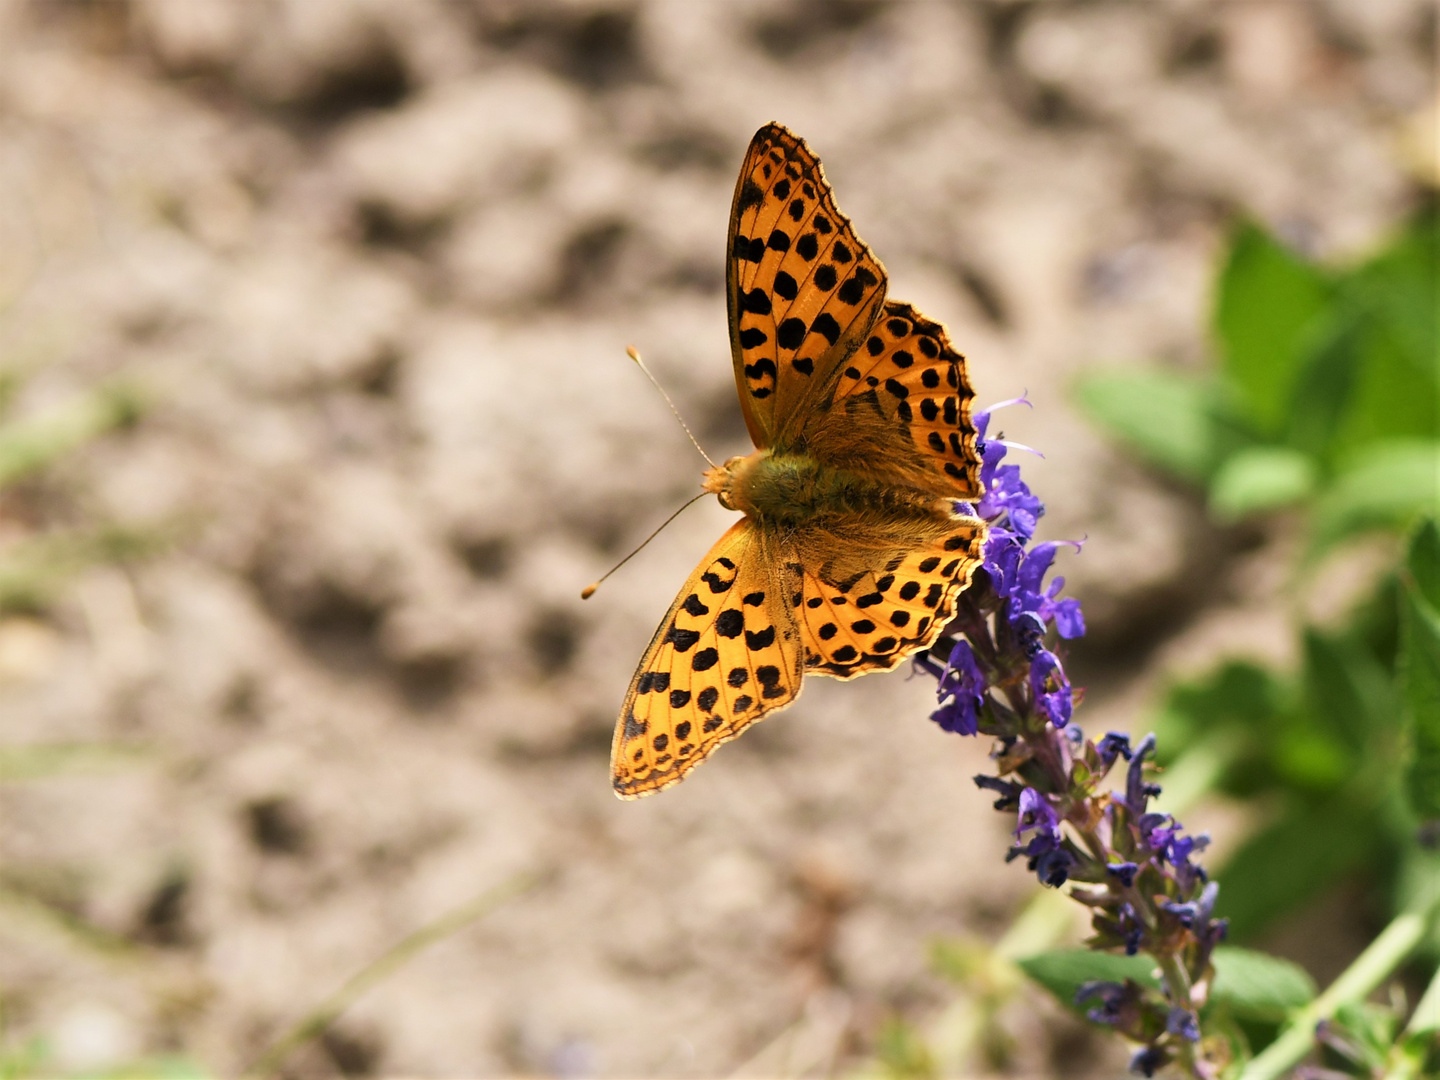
x,y
374,264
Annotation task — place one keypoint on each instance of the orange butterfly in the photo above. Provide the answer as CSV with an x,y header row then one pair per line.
x,y
850,554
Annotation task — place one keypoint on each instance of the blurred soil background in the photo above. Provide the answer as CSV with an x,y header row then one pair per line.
x,y
370,267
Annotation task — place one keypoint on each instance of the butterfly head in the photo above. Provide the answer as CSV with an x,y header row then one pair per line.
x,y
728,481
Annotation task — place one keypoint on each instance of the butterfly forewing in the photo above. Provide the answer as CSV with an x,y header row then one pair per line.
x,y
727,653
803,289
900,410
873,621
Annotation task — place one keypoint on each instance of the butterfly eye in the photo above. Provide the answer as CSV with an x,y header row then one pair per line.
x,y
725,502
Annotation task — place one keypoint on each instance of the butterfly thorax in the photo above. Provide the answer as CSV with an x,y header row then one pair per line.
x,y
794,488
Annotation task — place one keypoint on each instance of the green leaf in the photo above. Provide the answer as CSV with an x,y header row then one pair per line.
x,y
1392,397
1423,561
1261,478
1388,484
1168,418
1346,690
1267,313
1400,287
1258,986
1324,386
1386,308
1238,697
1064,971
1311,761
1287,863
1420,689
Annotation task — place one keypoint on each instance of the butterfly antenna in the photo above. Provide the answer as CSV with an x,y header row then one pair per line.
x,y
589,590
634,354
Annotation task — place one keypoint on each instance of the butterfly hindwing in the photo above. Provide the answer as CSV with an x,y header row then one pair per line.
x,y
727,653
873,620
803,289
900,410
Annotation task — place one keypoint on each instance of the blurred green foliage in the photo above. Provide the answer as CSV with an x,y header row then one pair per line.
x,y
1325,399
1326,394
1249,985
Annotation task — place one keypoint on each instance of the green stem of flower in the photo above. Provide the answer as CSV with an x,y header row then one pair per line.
x,y
1426,1017
1368,971
1177,989
1176,980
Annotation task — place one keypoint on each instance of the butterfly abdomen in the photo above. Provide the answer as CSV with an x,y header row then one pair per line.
x,y
794,489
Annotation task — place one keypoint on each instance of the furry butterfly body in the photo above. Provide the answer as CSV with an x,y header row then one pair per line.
x,y
851,552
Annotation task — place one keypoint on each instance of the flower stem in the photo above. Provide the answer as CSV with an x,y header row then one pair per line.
x,y
1177,989
1426,1017
1369,969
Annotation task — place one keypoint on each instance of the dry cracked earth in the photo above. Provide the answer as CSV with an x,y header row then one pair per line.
x,y
372,266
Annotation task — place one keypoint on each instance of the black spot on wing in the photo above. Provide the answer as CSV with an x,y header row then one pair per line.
x,y
853,291
755,301
683,640
790,333
760,639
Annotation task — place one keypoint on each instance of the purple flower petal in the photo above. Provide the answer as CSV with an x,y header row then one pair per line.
x,y
1052,692
1115,744
961,691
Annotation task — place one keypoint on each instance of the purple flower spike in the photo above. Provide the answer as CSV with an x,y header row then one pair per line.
x,y
1051,689
1113,998
1069,619
1147,1060
963,684
1004,677
1137,792
1115,744
1183,1022
1009,791
1053,867
1036,813
1124,871
1045,850
1007,494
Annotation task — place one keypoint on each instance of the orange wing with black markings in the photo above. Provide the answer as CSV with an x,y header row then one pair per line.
x,y
803,289
873,621
899,412
727,654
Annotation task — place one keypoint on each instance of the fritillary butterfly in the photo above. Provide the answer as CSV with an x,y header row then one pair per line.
x,y
850,553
